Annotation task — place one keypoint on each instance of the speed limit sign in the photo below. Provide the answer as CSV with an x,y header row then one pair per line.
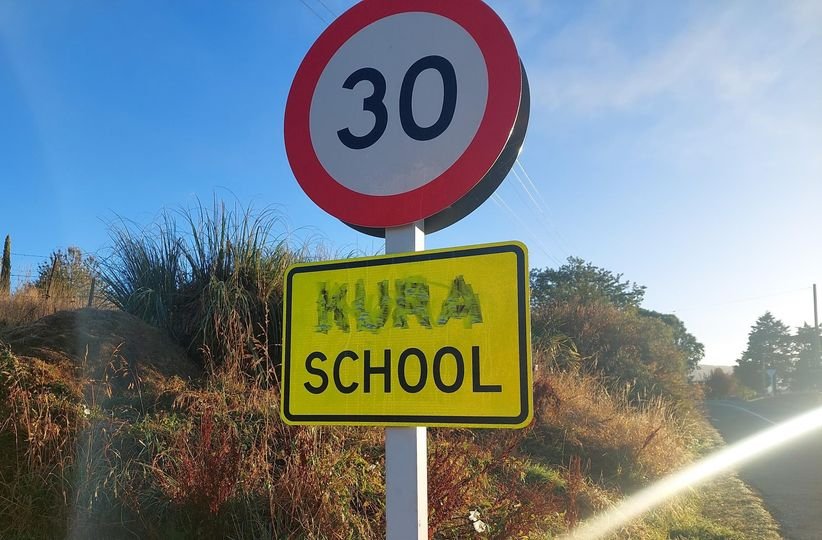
x,y
407,110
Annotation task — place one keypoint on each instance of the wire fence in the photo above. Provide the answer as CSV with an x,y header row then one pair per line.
x,y
40,289
29,304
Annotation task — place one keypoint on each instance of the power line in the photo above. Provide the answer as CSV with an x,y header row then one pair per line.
x,y
328,9
542,215
497,198
531,182
543,207
30,255
743,300
64,251
526,190
314,11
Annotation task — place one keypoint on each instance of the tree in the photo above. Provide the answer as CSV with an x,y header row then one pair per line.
x,y
684,340
627,349
807,367
720,385
67,274
5,270
581,281
770,345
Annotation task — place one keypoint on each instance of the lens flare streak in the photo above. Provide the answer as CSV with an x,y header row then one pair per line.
x,y
701,471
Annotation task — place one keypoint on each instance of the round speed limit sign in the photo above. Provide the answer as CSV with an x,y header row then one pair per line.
x,y
407,110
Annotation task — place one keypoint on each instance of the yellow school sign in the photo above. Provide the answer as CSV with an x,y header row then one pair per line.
x,y
434,338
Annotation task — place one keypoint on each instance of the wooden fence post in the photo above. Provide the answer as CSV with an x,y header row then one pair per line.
x,y
54,262
91,291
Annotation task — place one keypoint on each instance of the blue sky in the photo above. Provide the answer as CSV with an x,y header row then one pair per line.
x,y
679,143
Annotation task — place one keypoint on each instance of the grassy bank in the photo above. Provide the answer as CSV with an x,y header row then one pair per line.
x,y
160,419
101,436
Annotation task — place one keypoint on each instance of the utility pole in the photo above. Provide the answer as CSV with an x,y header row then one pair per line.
x,y
817,348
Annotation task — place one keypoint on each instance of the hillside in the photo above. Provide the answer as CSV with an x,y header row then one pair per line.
x,y
161,419
109,429
704,370
94,339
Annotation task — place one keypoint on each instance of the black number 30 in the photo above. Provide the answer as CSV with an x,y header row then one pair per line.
x,y
375,105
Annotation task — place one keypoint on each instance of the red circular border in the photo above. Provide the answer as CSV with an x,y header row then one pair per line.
x,y
504,89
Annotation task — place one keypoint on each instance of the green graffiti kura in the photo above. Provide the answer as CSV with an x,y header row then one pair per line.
x,y
461,303
371,319
331,304
412,298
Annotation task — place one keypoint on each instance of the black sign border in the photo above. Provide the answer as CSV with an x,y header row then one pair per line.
x,y
420,420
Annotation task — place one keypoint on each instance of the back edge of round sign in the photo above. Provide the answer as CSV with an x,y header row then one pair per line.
x,y
444,197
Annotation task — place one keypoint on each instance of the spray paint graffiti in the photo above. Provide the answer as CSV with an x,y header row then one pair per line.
x,y
412,298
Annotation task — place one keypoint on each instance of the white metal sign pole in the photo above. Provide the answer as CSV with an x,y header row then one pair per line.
x,y
406,450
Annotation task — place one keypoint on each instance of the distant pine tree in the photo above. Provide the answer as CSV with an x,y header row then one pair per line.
x,y
770,345
5,271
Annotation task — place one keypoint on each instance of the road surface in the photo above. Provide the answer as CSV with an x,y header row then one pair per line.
x,y
790,477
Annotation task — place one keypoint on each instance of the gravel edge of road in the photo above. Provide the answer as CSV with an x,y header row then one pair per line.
x,y
747,512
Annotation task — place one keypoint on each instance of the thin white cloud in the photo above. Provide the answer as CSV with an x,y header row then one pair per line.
x,y
728,54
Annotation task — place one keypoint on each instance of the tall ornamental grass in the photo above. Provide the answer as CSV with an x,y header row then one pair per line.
x,y
211,277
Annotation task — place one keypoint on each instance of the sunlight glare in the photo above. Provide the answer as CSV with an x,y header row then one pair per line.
x,y
728,458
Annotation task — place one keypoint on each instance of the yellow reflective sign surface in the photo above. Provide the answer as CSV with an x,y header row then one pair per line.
x,y
435,338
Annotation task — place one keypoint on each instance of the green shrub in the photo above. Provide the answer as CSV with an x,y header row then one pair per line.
x,y
624,348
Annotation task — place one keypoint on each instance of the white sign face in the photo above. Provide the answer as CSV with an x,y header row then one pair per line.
x,y
419,59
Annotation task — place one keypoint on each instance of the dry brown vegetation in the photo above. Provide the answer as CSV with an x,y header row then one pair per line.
x,y
148,447
29,304
161,420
